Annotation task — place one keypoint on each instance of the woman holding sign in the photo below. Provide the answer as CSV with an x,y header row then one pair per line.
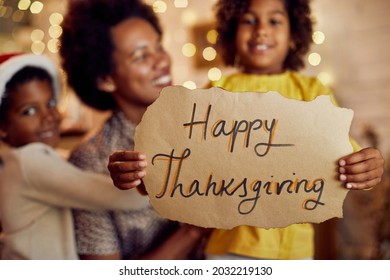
x,y
266,40
114,59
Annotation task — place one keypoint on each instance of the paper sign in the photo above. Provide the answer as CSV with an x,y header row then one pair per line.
x,y
220,159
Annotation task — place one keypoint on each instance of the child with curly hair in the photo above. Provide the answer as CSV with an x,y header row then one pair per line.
x,y
267,40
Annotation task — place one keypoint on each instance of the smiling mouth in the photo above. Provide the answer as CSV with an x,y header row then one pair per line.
x,y
162,81
261,47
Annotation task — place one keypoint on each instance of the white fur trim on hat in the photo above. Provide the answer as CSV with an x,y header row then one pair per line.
x,y
12,65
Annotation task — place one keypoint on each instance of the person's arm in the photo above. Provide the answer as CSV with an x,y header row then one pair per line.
x,y
362,169
177,247
127,168
58,182
180,244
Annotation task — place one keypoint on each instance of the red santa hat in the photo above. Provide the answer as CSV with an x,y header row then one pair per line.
x,y
11,63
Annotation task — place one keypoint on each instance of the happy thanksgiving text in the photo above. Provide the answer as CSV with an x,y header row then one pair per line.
x,y
236,135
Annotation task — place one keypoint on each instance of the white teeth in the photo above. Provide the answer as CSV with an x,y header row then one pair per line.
x,y
46,134
261,47
162,80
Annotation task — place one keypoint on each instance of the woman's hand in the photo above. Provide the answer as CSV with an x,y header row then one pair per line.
x,y
127,168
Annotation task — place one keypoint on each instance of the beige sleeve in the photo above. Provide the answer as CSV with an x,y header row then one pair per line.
x,y
55,181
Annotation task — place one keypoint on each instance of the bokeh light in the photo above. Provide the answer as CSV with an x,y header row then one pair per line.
x,y
37,35
189,17
55,31
212,36
38,47
56,19
189,85
209,53
53,45
5,12
181,3
314,59
36,7
318,37
17,16
326,78
214,74
23,5
188,50
160,7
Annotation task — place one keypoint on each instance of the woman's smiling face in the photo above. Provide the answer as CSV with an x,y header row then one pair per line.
x,y
142,66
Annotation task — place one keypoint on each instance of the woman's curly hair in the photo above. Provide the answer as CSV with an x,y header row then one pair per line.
x,y
228,13
87,47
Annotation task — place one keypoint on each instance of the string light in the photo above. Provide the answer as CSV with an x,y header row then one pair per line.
x,y
181,3
36,7
188,50
189,85
38,47
53,45
55,31
189,17
212,36
17,16
159,7
318,37
314,59
23,5
56,19
5,12
37,35
214,74
326,78
209,53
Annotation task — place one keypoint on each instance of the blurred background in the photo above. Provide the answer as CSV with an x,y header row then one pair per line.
x,y
350,55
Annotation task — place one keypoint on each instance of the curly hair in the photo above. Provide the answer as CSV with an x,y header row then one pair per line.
x,y
228,13
87,47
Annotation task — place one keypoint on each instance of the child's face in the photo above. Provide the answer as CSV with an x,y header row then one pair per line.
x,y
263,37
32,116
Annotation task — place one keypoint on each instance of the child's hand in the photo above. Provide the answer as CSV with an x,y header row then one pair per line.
x,y
361,170
127,168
